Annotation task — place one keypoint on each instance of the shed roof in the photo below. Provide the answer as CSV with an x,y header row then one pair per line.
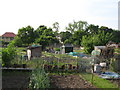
x,y
33,46
67,45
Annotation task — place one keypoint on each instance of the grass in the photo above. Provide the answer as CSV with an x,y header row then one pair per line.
x,y
98,82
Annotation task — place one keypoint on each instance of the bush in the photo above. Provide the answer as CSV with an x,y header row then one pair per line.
x,y
39,79
8,54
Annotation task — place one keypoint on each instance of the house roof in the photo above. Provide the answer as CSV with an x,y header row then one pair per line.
x,y
8,34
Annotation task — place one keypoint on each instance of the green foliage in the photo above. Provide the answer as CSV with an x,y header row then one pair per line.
x,y
116,36
88,42
65,36
56,27
18,41
77,37
25,36
77,33
92,29
57,49
39,78
8,54
79,25
98,82
45,36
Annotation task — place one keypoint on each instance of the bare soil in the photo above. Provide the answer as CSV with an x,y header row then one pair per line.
x,y
68,81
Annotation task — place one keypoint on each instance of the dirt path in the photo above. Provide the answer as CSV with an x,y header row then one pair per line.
x,y
69,81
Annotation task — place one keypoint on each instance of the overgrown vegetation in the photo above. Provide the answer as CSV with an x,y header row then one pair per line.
x,y
8,54
39,78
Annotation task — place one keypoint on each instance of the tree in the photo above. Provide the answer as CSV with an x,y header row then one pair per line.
x,y
56,26
77,37
116,36
105,29
80,25
65,36
39,31
92,29
45,36
89,41
18,41
26,35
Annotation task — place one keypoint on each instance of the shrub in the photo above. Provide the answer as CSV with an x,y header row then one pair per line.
x,y
39,79
8,54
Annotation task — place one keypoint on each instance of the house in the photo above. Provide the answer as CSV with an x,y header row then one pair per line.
x,y
8,36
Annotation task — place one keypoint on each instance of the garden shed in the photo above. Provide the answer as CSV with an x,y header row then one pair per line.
x,y
66,48
34,51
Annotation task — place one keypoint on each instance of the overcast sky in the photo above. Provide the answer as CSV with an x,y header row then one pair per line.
x,y
15,14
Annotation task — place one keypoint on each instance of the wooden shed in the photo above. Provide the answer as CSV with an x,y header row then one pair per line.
x,y
66,48
35,51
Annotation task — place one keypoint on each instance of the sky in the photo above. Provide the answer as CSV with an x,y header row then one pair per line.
x,y
15,14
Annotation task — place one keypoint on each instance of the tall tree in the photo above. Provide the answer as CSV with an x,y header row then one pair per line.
x,y
45,36
39,31
80,25
77,37
65,35
92,29
26,35
56,28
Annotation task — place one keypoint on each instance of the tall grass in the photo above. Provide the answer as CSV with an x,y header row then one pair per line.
x,y
39,78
